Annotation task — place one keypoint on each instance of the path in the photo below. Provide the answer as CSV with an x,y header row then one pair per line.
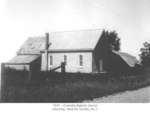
x,y
136,96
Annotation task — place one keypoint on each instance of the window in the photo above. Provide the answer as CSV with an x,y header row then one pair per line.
x,y
81,60
51,60
65,59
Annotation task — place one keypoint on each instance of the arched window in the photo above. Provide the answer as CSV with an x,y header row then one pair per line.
x,y
65,59
51,60
81,60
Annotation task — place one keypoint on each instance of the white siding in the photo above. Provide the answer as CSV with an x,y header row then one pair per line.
x,y
73,62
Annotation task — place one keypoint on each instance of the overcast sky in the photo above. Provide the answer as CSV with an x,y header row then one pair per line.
x,y
20,19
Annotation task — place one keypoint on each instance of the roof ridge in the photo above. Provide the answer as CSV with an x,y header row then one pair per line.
x,y
34,37
78,30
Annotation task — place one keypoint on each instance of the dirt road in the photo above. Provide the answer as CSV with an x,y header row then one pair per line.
x,y
136,96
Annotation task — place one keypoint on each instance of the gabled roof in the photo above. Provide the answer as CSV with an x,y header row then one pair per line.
x,y
75,40
129,59
32,45
26,59
63,41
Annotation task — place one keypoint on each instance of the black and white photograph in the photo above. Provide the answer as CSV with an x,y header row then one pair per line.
x,y
75,51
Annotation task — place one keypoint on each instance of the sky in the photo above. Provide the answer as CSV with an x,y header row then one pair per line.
x,y
20,19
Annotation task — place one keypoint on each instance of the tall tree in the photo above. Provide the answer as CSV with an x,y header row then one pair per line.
x,y
145,54
112,40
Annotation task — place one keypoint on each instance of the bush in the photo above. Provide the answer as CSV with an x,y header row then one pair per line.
x,y
66,87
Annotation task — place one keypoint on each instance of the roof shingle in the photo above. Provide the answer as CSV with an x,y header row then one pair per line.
x,y
32,45
83,39
24,59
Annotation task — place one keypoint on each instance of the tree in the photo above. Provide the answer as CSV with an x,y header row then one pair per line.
x,y
145,54
112,40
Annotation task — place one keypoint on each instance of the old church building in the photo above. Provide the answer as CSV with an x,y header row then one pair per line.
x,y
81,51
